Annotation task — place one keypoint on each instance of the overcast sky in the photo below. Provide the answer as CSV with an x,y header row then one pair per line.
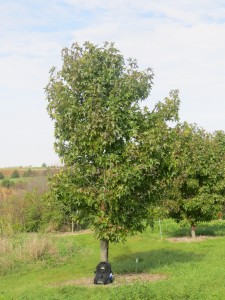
x,y
182,41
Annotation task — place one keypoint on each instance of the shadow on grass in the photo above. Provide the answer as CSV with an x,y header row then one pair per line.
x,y
152,260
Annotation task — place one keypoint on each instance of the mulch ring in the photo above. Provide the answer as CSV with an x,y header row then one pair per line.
x,y
123,279
189,239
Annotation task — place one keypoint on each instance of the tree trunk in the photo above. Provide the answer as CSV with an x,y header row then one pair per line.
x,y
104,250
193,228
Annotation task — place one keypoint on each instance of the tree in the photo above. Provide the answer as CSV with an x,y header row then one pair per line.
x,y
29,173
115,153
196,189
7,183
219,137
15,174
1,176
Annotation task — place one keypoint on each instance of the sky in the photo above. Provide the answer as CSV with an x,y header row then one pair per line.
x,y
182,41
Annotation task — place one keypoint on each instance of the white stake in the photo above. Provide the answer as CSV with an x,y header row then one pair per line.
x,y
160,229
136,264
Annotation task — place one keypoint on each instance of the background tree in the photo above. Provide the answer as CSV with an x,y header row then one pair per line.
x,y
15,174
219,137
196,189
1,176
29,173
115,153
7,183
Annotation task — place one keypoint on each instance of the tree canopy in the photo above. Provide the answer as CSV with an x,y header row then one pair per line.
x,y
196,189
115,152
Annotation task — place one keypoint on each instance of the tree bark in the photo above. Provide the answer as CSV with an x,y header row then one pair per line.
x,y
104,250
193,228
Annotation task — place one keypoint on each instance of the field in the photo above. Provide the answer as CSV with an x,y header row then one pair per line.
x,y
7,172
61,266
39,171
28,178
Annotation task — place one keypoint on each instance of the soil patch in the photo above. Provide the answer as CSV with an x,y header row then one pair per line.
x,y
189,239
122,279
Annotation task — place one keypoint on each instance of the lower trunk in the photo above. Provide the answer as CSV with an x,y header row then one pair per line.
x,y
193,229
104,250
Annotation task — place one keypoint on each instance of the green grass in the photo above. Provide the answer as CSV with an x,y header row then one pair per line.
x,y
194,270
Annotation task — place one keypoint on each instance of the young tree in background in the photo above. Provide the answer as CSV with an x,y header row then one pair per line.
x,y
29,173
114,152
15,174
196,190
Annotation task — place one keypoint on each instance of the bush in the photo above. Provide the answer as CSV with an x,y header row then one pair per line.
x,y
31,211
1,176
15,174
7,183
29,173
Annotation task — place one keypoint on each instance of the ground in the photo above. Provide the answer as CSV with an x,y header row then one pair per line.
x,y
119,279
130,277
189,239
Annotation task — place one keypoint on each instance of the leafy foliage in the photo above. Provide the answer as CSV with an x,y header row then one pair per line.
x,y
1,176
29,212
115,153
196,190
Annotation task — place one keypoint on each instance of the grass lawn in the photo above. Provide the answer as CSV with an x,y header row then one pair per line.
x,y
192,270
